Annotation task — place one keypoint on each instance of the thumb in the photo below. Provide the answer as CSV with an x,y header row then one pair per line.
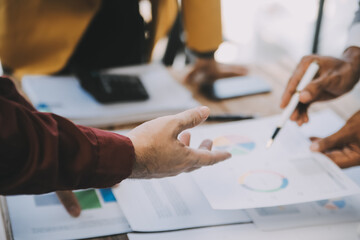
x,y
337,140
312,91
191,118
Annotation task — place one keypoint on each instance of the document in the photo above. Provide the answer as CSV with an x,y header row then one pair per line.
x,y
169,204
316,126
330,211
346,231
64,96
255,177
337,210
43,217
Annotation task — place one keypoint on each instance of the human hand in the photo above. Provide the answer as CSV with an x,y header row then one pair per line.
x,y
343,147
70,202
207,70
334,78
159,152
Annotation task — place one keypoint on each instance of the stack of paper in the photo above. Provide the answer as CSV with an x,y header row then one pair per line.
x,y
254,177
328,211
281,188
314,177
346,231
64,96
42,217
170,204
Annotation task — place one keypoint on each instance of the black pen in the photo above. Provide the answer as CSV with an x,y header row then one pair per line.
x,y
228,117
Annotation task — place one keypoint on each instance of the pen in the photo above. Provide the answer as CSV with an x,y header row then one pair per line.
x,y
229,117
308,76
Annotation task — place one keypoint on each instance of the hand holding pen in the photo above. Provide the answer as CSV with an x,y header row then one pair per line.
x,y
335,77
294,101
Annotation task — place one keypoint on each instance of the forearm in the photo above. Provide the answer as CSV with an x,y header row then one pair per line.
x,y
42,152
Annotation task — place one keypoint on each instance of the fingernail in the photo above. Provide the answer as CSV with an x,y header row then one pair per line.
x,y
305,96
314,147
74,211
204,111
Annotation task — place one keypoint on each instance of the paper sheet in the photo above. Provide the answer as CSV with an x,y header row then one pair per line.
x,y
320,212
322,124
169,204
353,173
254,177
249,232
329,211
43,217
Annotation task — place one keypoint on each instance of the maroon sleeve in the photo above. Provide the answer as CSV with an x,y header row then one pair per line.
x,y
43,152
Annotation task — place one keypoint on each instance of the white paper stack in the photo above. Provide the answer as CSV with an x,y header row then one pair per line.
x,y
42,217
64,96
257,177
170,203
346,231
286,197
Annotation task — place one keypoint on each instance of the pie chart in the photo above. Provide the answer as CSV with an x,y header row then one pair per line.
x,y
264,181
333,204
235,144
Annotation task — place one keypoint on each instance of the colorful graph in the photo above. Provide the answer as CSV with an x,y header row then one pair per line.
x,y
107,195
88,199
263,181
236,145
332,204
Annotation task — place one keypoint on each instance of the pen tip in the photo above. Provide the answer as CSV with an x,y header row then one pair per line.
x,y
269,143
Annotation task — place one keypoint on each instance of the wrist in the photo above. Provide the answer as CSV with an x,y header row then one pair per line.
x,y
352,56
203,55
139,169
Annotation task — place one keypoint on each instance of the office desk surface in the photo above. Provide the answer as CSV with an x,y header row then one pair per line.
x,y
277,75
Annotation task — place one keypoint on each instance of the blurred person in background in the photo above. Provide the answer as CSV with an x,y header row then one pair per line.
x,y
49,37
60,37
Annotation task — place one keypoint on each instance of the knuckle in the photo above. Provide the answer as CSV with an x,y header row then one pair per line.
x,y
328,143
194,121
314,87
197,116
214,160
308,58
323,144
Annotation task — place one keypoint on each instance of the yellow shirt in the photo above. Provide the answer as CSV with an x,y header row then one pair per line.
x,y
39,36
